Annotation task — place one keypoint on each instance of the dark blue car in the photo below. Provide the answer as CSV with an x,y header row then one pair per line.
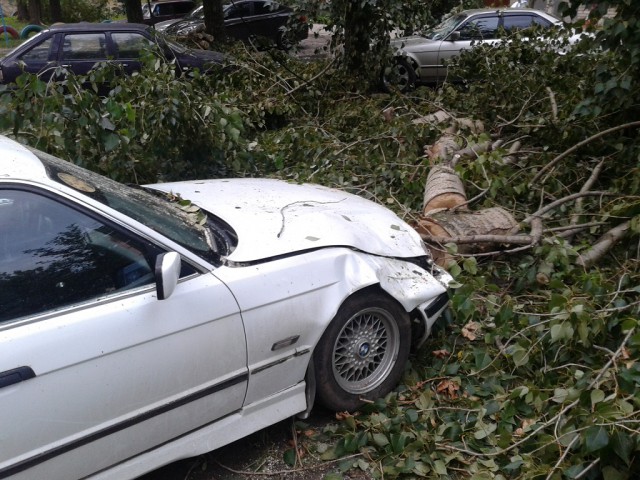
x,y
79,47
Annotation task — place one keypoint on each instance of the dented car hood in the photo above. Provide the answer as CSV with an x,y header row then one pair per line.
x,y
274,217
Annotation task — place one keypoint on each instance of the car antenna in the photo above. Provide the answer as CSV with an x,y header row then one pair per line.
x,y
153,25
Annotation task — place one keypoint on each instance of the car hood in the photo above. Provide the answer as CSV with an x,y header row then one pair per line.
x,y
410,43
201,59
273,218
181,25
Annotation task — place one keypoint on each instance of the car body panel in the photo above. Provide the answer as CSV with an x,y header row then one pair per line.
x,y
166,10
244,19
118,384
272,217
430,53
80,47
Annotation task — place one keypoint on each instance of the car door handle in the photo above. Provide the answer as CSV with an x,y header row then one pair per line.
x,y
16,375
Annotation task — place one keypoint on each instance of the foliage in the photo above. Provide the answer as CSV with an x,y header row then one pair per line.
x,y
146,127
533,372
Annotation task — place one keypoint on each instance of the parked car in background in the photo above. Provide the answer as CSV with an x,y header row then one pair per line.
x,y
161,11
421,58
78,47
245,19
134,333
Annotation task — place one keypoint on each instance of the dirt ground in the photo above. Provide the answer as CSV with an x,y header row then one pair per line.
x,y
260,456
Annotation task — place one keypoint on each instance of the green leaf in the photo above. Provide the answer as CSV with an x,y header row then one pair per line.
x,y
289,457
560,395
623,445
596,397
595,438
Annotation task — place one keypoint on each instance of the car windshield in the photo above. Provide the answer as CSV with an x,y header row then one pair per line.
x,y
163,40
155,212
441,31
197,14
26,44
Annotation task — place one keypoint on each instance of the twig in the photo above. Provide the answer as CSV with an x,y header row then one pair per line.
x,y
564,154
585,188
312,79
603,244
566,199
278,473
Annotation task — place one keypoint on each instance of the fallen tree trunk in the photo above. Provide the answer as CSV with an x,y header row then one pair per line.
x,y
483,230
443,189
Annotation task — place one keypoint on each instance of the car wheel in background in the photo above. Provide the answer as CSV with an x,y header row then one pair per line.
x,y
400,75
362,354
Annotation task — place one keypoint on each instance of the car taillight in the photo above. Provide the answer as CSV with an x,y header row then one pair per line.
x,y
302,19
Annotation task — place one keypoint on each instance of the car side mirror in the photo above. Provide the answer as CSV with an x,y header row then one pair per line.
x,y
454,36
167,274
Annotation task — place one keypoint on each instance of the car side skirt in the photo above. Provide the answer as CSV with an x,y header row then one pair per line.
x,y
233,427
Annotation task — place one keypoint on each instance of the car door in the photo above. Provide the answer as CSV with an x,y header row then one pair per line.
x,y
267,19
40,59
94,369
79,52
237,20
128,49
478,29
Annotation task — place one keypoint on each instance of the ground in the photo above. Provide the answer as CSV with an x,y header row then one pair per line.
x,y
261,455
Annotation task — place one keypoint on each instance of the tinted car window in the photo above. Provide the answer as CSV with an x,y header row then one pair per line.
x,y
129,44
52,256
482,28
239,10
521,22
84,46
38,53
263,8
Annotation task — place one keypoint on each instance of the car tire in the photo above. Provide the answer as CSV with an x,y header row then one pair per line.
x,y
400,76
362,354
29,29
6,29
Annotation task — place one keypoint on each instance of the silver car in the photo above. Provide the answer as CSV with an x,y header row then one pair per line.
x,y
422,58
137,328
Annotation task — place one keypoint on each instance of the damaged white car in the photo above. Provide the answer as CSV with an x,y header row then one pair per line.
x,y
134,333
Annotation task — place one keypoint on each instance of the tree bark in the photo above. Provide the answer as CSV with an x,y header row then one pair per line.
x,y
443,189
214,20
133,9
491,226
35,12
23,11
55,11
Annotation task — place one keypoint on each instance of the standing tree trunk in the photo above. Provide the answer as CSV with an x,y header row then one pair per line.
x,y
133,8
214,19
23,11
55,10
35,12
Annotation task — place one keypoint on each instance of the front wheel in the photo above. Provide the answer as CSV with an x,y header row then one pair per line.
x,y
400,75
362,354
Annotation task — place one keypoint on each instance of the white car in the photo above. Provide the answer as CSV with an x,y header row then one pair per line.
x,y
135,331
422,58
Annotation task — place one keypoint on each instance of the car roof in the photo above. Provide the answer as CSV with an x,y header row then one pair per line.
x,y
98,27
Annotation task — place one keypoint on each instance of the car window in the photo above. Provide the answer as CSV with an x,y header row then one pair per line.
x,y
52,256
84,46
238,10
130,45
39,53
521,22
183,8
482,28
263,8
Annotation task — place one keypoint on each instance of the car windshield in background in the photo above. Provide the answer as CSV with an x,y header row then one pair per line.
x,y
445,28
150,210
